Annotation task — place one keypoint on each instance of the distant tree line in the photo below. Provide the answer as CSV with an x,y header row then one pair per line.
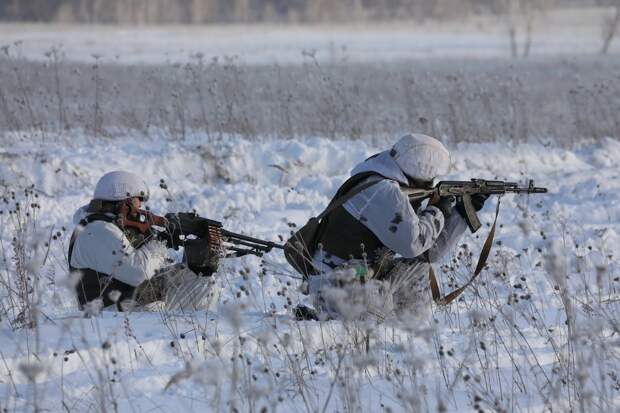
x,y
242,11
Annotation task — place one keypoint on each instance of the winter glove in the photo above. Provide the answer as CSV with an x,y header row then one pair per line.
x,y
477,200
169,239
445,205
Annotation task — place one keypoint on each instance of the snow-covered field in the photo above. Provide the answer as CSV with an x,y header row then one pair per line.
x,y
537,332
560,32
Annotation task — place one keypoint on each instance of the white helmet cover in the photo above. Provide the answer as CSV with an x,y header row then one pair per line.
x,y
119,185
421,156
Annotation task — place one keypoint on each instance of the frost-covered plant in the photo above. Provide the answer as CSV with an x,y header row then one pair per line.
x,y
23,258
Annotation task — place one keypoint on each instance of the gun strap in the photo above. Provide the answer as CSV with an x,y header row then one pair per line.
x,y
482,260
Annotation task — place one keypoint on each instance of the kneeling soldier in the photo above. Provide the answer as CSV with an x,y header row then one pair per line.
x,y
378,235
120,259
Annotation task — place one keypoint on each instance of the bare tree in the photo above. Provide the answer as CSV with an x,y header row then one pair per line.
x,y
511,23
200,11
610,27
358,10
242,11
520,16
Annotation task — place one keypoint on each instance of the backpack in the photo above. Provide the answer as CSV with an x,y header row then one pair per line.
x,y
301,246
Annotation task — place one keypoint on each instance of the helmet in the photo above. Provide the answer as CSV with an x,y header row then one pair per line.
x,y
421,156
119,185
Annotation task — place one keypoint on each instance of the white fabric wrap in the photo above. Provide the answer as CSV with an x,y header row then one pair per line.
x,y
103,247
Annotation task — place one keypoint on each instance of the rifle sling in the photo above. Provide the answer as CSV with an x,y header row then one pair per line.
x,y
482,260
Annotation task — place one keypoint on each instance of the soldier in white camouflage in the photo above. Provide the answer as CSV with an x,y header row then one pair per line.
x,y
379,237
119,263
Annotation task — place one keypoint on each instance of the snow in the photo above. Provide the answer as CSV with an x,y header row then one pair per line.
x,y
493,347
562,32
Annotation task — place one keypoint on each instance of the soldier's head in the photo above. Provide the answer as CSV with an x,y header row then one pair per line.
x,y
120,187
422,158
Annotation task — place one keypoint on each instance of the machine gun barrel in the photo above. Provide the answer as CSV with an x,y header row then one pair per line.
x,y
258,244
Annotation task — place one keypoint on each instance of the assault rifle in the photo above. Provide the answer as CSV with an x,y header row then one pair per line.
x,y
463,190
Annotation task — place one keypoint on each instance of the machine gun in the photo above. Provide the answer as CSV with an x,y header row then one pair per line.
x,y
463,190
205,241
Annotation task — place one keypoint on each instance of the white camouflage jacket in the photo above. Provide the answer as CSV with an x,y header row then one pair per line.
x,y
103,247
385,210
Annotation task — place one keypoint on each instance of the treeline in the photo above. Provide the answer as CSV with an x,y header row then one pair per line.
x,y
240,11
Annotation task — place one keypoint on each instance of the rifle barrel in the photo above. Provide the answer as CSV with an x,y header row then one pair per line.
x,y
528,190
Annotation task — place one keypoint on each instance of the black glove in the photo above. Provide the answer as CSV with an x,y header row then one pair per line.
x,y
171,240
477,201
445,205
173,224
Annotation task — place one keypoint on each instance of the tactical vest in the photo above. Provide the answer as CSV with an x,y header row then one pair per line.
x,y
344,236
93,284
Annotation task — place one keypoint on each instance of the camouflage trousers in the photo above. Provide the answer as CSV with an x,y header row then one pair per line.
x,y
400,286
178,288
